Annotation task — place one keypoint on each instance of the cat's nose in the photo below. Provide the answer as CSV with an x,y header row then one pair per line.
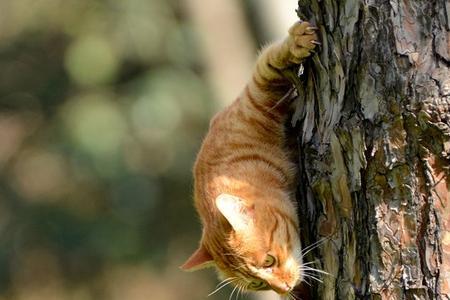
x,y
285,287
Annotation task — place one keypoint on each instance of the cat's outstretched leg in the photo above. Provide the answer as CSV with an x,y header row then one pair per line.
x,y
269,76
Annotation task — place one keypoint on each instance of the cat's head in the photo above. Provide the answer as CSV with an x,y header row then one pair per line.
x,y
255,246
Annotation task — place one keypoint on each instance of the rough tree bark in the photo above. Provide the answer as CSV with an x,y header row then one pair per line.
x,y
373,127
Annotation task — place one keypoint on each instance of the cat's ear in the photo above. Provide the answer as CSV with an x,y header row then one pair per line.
x,y
235,211
199,260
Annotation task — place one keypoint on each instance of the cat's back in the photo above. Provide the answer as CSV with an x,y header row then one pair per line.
x,y
238,153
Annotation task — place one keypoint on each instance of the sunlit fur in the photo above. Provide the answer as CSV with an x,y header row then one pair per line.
x,y
243,155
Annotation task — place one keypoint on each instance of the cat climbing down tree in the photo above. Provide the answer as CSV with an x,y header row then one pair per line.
x,y
244,180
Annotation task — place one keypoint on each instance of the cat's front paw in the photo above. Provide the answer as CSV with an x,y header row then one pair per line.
x,y
301,41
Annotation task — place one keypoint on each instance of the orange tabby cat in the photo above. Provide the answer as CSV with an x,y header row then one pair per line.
x,y
244,180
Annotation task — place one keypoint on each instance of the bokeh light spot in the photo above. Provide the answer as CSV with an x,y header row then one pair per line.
x,y
96,124
41,175
157,112
91,60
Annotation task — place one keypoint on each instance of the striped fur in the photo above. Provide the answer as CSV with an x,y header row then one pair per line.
x,y
243,155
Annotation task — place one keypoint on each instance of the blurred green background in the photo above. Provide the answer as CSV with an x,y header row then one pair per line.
x,y
103,106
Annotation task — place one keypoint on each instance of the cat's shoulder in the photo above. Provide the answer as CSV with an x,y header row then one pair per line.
x,y
223,116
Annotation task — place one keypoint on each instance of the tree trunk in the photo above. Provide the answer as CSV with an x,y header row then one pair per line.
x,y
373,128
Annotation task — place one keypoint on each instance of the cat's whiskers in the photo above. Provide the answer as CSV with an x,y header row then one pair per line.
x,y
244,287
226,280
306,268
289,296
241,286
310,272
232,292
309,284
311,247
223,284
308,263
308,275
293,297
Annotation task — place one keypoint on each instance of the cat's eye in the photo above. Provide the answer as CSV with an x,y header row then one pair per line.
x,y
257,284
269,261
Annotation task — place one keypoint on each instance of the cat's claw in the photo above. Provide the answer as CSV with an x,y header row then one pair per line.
x,y
312,28
302,41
